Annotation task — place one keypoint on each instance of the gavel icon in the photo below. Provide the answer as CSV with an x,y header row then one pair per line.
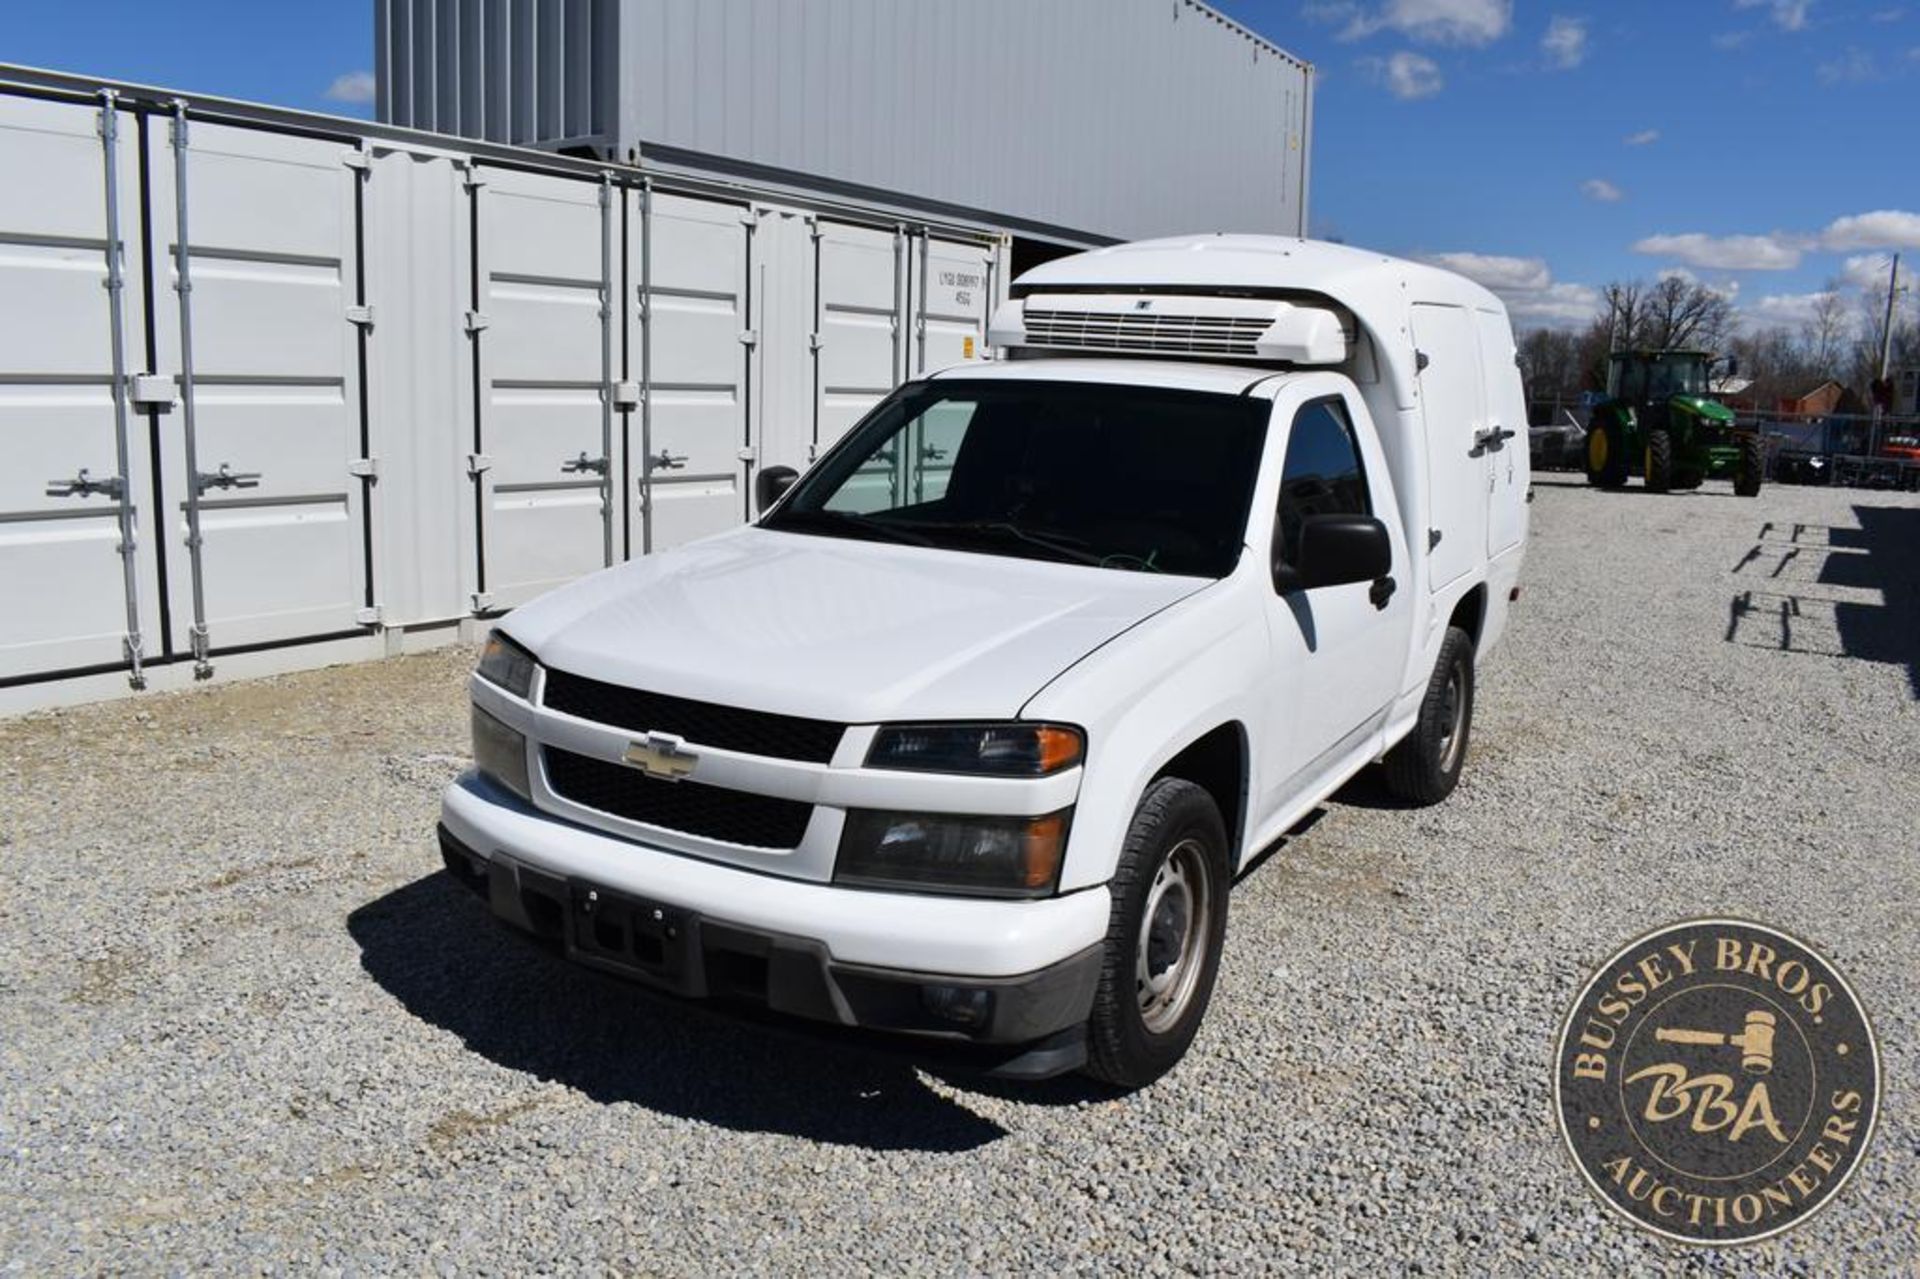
x,y
1755,1042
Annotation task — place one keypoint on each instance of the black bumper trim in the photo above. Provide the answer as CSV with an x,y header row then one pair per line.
x,y
750,969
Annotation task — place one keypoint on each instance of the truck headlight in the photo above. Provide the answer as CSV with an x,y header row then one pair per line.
x,y
941,852
1006,750
500,753
507,664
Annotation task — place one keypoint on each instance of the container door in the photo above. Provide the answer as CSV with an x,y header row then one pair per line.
x,y
857,325
62,486
952,302
547,460
1507,460
696,343
269,436
1452,402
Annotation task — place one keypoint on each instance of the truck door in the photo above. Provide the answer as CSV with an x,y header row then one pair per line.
x,y
1453,404
1339,651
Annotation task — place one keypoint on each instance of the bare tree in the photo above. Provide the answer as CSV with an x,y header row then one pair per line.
x,y
1682,312
1623,310
1824,335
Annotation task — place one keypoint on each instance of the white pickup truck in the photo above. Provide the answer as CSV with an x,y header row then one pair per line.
x,y
968,736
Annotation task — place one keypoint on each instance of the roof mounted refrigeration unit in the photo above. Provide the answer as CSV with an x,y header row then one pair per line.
x,y
1174,325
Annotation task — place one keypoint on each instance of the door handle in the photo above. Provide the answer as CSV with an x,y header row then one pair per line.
x,y
665,461
225,477
1491,438
1382,591
582,464
84,485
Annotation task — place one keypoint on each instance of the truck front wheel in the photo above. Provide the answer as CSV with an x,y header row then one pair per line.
x,y
1425,767
1164,937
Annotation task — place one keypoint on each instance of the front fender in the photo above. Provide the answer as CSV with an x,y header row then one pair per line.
x,y
1144,697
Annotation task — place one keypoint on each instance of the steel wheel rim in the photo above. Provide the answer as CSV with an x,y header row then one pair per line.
x,y
1171,951
1453,714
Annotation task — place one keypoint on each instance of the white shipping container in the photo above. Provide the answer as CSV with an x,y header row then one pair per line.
x,y
413,382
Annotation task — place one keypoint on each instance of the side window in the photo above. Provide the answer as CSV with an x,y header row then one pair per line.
x,y
1323,474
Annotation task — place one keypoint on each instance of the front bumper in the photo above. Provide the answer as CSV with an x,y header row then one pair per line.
x,y
977,971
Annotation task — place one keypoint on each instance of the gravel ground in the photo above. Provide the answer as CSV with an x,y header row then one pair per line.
x,y
246,1025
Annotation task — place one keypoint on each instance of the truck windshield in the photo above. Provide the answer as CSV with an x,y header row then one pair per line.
x,y
1116,477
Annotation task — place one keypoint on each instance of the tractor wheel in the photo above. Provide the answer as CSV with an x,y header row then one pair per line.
x,y
1659,461
1753,465
1606,457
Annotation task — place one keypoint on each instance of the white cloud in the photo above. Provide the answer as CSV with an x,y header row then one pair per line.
x,y
1791,309
354,86
1788,15
1644,138
1724,252
1565,43
1602,190
1467,22
1407,75
1855,66
1867,270
1883,229
1534,298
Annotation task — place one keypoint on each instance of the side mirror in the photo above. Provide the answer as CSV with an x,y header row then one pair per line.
x,y
1334,551
771,485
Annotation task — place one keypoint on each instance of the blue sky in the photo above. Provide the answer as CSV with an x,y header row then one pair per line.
x,y
1545,146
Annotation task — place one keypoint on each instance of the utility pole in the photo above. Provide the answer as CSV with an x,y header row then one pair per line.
x,y
1886,337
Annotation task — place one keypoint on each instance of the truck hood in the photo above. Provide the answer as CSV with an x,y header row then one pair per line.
x,y
829,628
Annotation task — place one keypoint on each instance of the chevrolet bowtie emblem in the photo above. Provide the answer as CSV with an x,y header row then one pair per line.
x,y
661,755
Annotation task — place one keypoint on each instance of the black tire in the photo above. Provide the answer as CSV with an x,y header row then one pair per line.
x,y
1752,467
1133,1035
1425,767
1605,456
1659,465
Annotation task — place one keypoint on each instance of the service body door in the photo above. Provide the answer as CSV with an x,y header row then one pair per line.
x,y
61,570
1505,437
697,343
1453,407
274,265
545,463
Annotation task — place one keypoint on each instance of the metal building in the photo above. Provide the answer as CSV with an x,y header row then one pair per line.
x,y
1067,119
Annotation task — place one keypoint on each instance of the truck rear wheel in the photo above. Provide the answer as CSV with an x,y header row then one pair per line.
x,y
1659,461
1752,466
1425,767
1164,936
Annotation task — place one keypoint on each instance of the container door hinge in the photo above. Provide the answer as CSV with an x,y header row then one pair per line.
x,y
367,468
356,159
482,601
371,616
748,454
815,342
478,464
749,337
475,321
750,217
360,315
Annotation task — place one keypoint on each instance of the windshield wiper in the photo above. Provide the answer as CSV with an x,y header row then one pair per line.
x,y
1062,546
846,524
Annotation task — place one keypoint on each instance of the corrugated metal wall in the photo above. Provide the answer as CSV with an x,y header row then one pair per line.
x,y
1106,118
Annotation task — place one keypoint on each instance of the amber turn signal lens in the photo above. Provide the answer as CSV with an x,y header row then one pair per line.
x,y
1046,841
1059,748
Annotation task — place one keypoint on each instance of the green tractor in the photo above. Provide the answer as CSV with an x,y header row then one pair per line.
x,y
1659,419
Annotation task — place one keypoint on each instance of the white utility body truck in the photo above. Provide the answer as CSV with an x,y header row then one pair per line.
x,y
968,735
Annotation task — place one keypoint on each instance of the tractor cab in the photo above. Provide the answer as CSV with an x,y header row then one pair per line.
x,y
1660,418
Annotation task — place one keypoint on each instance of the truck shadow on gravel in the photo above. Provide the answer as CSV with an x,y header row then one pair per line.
x,y
1877,556
434,947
